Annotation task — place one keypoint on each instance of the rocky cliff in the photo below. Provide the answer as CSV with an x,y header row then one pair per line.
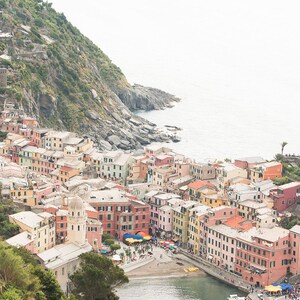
x,y
59,76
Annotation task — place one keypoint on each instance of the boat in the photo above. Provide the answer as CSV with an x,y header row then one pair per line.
x,y
235,297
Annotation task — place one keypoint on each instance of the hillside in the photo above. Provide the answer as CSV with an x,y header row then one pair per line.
x,y
59,76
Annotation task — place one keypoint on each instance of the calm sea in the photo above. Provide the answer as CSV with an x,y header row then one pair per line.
x,y
235,65
202,287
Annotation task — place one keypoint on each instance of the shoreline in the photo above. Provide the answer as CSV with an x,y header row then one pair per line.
x,y
176,266
163,265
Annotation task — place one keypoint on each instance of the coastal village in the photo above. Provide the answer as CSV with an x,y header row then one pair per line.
x,y
222,216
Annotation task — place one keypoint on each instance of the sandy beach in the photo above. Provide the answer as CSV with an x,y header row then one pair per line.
x,y
165,266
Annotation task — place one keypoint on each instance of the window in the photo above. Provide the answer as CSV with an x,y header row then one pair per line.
x,y
108,217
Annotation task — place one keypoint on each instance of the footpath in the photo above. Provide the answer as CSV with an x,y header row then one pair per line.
x,y
215,271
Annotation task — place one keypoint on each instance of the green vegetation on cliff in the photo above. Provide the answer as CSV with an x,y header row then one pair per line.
x,y
55,67
21,277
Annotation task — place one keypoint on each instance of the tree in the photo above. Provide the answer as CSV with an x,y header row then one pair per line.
x,y
279,157
21,277
50,286
16,275
109,241
106,236
96,278
283,144
115,246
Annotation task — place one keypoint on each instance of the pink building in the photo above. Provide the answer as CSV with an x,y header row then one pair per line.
x,y
214,216
44,189
60,222
94,233
263,255
156,215
165,220
285,195
37,135
163,159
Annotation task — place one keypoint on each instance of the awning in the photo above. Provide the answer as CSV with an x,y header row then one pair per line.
x,y
137,237
130,240
284,286
141,233
126,236
273,289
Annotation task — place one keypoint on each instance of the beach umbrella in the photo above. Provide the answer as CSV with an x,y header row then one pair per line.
x,y
142,233
286,286
130,240
273,289
126,236
147,237
137,237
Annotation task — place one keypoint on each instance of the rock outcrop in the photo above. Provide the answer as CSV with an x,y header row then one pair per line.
x,y
60,77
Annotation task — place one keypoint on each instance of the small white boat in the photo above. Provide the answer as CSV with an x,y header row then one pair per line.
x,y
235,297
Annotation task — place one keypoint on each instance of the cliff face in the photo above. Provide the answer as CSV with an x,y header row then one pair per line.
x,y
59,76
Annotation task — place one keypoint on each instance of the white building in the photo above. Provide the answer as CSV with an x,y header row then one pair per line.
x,y
63,259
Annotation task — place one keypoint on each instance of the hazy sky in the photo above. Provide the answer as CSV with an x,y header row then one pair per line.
x,y
234,63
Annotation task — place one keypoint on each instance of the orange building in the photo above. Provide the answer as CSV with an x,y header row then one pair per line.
x,y
266,171
65,173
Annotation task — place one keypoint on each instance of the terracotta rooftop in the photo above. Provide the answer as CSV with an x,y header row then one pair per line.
x,y
239,223
199,184
66,169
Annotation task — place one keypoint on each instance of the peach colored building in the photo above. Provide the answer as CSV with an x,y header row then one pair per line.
x,y
137,170
263,255
221,241
65,173
295,249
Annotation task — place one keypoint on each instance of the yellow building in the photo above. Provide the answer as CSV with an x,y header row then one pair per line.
x,y
214,200
194,227
181,215
23,195
40,229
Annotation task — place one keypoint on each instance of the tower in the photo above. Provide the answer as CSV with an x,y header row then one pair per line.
x,y
77,221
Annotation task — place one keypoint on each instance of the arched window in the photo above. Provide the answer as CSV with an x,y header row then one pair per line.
x,y
78,227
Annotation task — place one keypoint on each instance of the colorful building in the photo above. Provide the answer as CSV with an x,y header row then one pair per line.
x,y
285,195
